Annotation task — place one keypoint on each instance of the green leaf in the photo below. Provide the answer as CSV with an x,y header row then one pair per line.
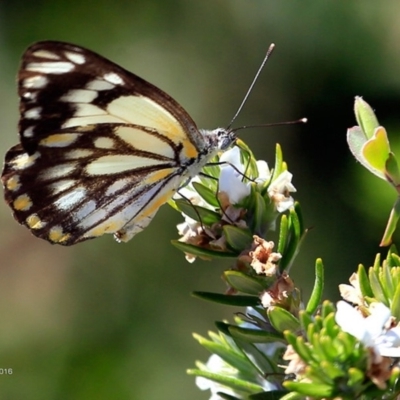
x,y
365,117
363,280
230,300
395,304
248,159
293,240
376,152
207,194
245,283
272,395
231,356
327,309
200,214
283,234
223,327
260,214
282,319
392,171
202,252
358,144
376,287
316,295
310,389
225,396
278,169
238,239
391,224
255,335
234,383
293,396
211,170
262,364
356,377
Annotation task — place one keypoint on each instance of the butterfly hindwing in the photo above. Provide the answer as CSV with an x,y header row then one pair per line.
x,y
100,148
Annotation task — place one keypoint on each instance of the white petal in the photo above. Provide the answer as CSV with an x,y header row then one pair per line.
x,y
232,156
350,320
232,185
263,171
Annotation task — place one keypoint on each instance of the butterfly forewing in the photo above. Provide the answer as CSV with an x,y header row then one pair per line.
x,y
101,149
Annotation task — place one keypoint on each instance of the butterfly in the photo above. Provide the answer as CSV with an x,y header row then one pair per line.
x,y
100,148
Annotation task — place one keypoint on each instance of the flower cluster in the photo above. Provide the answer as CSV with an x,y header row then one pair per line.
x,y
232,200
282,346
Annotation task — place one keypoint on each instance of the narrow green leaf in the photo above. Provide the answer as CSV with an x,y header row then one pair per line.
x,y
392,171
293,396
330,325
231,356
272,395
248,159
200,214
225,396
259,220
262,364
223,327
377,263
395,304
387,281
310,389
255,335
316,295
208,195
202,252
302,349
391,224
376,286
292,241
230,300
299,216
234,383
327,309
278,162
363,281
283,234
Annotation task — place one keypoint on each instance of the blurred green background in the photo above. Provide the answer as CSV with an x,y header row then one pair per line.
x,y
104,320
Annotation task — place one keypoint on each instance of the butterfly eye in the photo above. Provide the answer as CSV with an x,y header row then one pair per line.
x,y
225,138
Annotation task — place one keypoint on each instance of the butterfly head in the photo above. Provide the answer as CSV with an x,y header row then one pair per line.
x,y
226,137
220,139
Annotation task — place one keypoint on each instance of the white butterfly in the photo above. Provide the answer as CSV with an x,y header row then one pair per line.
x,y
100,148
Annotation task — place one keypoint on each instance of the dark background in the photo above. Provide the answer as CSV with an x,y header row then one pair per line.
x,y
104,320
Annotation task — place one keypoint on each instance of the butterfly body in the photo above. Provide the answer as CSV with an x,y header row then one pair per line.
x,y
100,148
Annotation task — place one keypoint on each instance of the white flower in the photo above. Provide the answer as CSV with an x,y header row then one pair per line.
x,y
352,293
371,330
264,173
231,180
279,191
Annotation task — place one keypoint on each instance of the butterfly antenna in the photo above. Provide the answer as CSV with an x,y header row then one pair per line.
x,y
269,51
297,121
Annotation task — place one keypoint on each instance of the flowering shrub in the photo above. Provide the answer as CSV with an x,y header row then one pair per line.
x,y
282,346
